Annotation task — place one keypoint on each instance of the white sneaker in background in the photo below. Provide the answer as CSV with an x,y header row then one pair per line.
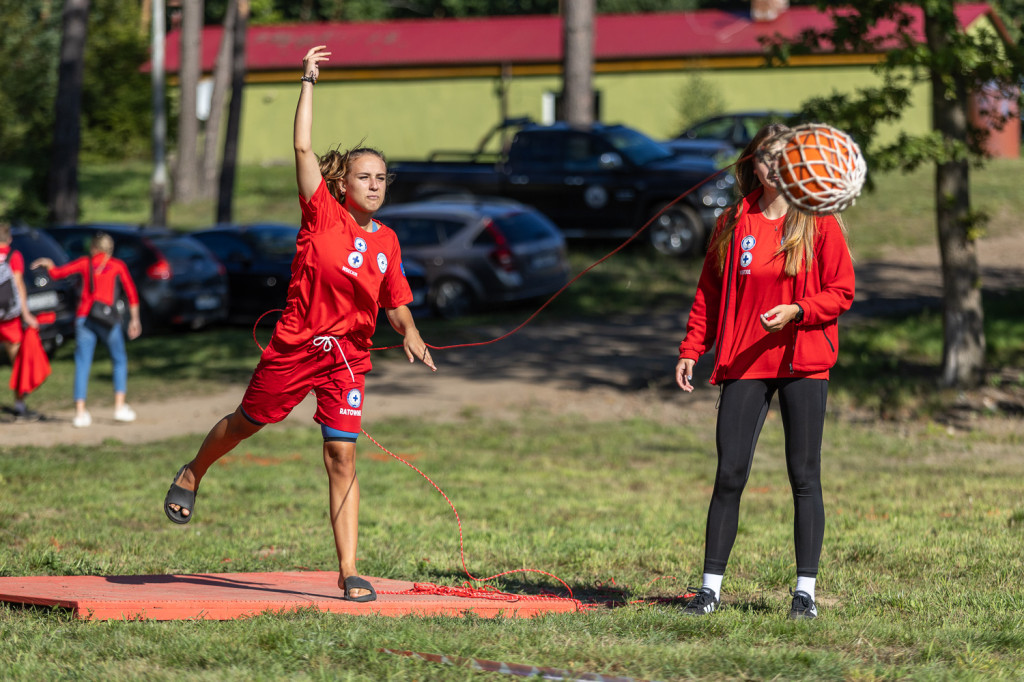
x,y
82,420
124,414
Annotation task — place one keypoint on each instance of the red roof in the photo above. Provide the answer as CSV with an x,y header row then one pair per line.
x,y
524,39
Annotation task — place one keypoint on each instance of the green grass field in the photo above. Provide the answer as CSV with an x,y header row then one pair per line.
x,y
920,576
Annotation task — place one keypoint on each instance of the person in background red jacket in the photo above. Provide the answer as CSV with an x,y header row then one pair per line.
x,y
774,282
14,311
107,273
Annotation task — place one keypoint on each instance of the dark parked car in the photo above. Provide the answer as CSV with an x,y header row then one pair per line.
x,y
479,251
726,134
180,283
258,259
46,295
598,183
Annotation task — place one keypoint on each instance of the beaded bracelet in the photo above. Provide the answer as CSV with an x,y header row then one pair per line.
x,y
309,79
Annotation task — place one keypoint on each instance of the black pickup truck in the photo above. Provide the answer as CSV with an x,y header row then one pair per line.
x,y
603,182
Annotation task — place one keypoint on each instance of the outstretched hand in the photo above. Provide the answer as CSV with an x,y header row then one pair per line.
x,y
416,349
43,262
311,62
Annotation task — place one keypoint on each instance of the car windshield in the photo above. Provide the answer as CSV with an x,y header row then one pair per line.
x,y
273,241
637,147
523,227
181,251
33,245
714,129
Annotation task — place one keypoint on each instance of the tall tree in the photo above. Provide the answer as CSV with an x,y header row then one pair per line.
x,y
63,194
578,62
186,170
221,79
957,64
229,162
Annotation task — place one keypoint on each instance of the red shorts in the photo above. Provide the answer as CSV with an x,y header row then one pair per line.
x,y
11,331
335,370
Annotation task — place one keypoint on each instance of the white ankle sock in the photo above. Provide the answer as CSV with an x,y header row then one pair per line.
x,y
714,582
805,584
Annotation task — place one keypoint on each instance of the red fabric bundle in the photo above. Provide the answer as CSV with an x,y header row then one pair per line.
x,y
31,366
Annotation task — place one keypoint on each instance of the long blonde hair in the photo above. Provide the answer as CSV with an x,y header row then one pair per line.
x,y
334,166
799,228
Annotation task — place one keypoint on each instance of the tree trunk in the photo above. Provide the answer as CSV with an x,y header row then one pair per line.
x,y
578,56
963,352
63,194
221,79
186,171
158,183
227,172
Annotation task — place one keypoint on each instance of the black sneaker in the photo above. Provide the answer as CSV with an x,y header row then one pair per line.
x,y
703,602
26,415
803,606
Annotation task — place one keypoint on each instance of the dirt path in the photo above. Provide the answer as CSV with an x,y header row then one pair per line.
x,y
617,368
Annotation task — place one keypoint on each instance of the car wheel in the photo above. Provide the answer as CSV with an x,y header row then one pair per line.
x,y
452,298
50,347
677,231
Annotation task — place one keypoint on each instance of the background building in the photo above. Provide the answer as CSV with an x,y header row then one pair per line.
x,y
414,86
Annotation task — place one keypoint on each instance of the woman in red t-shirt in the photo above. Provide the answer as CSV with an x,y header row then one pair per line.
x,y
774,283
346,267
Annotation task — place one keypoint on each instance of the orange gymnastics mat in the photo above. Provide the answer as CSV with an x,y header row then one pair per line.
x,y
224,596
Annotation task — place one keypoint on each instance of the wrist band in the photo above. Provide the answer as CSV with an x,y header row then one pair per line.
x,y
308,79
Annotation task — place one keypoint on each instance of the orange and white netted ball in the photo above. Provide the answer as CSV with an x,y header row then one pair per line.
x,y
820,168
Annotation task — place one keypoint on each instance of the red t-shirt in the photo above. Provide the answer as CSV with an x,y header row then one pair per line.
x,y
105,276
341,276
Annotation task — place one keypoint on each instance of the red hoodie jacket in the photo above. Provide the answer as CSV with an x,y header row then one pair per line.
x,y
824,293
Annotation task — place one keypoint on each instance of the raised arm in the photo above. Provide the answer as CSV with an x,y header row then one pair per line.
x,y
307,168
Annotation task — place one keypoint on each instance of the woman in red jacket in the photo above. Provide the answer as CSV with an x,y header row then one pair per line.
x,y
774,283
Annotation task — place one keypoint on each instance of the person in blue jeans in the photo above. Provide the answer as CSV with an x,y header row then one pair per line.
x,y
101,274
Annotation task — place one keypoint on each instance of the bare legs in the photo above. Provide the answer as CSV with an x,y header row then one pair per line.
x,y
223,437
343,490
343,486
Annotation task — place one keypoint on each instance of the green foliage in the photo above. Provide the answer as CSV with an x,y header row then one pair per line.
x,y
967,62
116,109
29,49
116,95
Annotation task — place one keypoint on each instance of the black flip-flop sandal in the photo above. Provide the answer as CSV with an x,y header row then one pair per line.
x,y
354,582
185,499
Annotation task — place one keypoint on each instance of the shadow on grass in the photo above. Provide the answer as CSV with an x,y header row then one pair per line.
x,y
892,365
530,584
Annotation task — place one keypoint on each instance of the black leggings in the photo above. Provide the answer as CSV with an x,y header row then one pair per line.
x,y
744,405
